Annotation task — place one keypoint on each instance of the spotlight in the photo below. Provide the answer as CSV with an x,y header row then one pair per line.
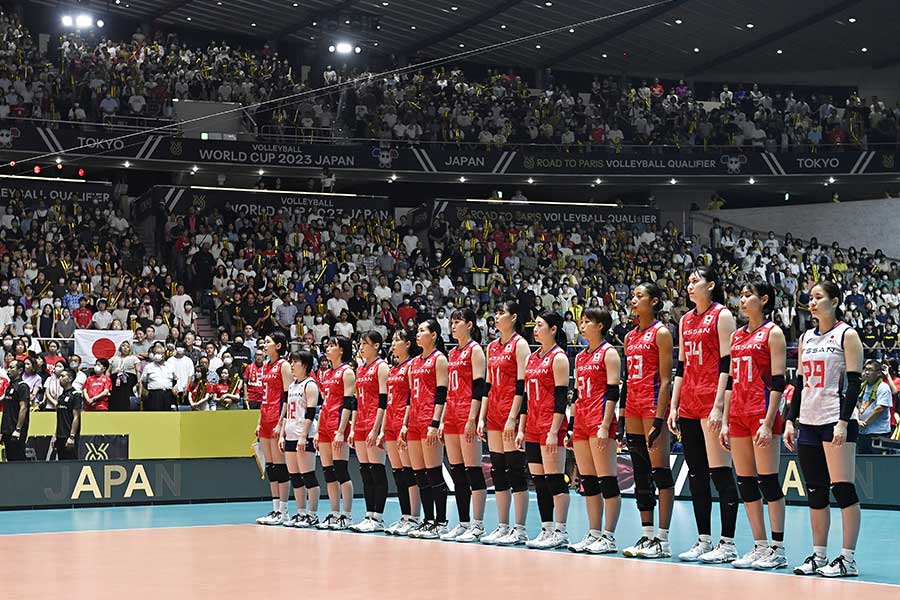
x,y
127,164
194,169
100,23
37,169
673,181
462,179
58,160
12,163
530,180
331,48
67,21
831,180
393,177
751,181
260,172
357,49
83,21
598,181
59,166
344,48
787,196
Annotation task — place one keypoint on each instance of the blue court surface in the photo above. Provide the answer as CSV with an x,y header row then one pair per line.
x,y
877,560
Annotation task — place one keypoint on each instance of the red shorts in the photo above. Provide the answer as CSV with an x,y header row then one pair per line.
x,y
640,408
746,425
539,436
695,407
455,416
498,414
326,434
267,425
416,432
586,428
362,430
393,421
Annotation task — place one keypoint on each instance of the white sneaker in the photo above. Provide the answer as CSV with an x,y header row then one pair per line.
x,y
370,526
492,537
454,533
555,539
699,548
604,545
639,546
810,565
416,532
268,519
341,523
515,537
328,522
294,521
724,552
839,567
540,539
588,539
393,527
747,560
656,549
407,526
361,525
472,534
432,531
308,520
773,559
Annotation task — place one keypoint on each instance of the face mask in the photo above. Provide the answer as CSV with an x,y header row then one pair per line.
x,y
7,344
157,357
75,366
10,302
158,321
227,362
28,331
98,369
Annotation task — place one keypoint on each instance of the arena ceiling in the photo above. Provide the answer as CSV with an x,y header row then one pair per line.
x,y
689,37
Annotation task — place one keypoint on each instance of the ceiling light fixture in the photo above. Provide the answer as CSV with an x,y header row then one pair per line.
x,y
851,20
750,25
779,51
678,21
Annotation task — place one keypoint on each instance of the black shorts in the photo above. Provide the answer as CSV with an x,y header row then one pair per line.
x,y
533,453
816,435
291,445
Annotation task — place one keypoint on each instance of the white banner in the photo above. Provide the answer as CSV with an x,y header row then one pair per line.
x,y
91,344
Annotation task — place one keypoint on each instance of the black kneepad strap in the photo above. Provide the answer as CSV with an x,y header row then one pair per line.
x,y
310,480
609,486
281,473
748,488
844,494
556,484
723,479
770,487
341,471
663,478
817,495
422,478
458,474
329,474
590,485
517,471
296,480
270,472
499,472
475,477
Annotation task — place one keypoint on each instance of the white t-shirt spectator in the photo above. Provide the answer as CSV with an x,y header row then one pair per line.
x,y
183,367
336,305
109,106
102,319
137,103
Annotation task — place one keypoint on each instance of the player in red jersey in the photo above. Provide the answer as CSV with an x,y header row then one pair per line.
x,y
698,398
253,375
593,423
404,349
276,379
500,407
752,418
372,398
466,378
428,385
338,387
543,428
645,400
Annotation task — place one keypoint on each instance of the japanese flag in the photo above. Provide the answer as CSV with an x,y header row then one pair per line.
x,y
91,344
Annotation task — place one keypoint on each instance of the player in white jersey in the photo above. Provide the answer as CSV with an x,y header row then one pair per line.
x,y
298,427
823,411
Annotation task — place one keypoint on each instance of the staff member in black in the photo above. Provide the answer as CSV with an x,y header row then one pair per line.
x,y
159,381
14,425
68,417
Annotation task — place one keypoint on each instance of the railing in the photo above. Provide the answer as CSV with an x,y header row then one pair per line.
x,y
114,123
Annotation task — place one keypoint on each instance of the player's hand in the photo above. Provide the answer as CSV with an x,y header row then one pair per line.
x,y
569,442
70,442
16,435
379,440
281,443
672,421
839,436
763,437
401,438
480,429
316,442
655,431
372,439
470,430
509,430
552,442
519,440
620,428
258,429
725,437
714,420
602,437
351,436
431,437
338,443
789,436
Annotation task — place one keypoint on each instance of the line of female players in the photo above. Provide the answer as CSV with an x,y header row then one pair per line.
x,y
725,404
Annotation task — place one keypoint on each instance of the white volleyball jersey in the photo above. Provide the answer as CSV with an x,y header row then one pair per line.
x,y
296,410
824,371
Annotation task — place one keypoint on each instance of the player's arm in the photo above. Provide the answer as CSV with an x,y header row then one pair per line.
x,y
778,356
613,378
853,356
664,345
483,407
560,393
725,329
478,376
384,371
522,352
679,375
350,403
311,394
441,368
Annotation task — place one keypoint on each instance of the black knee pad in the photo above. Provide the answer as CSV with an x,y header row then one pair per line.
x,y
436,477
458,474
663,478
748,489
698,482
815,472
770,487
640,463
817,495
281,473
310,480
422,479
844,494
517,471
270,472
609,486
409,477
365,473
296,480
330,476
556,484
475,477
341,471
499,473
723,479
590,485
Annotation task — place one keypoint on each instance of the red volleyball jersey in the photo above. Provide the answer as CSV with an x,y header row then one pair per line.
x,y
398,391
590,380
503,369
540,387
253,375
367,392
423,373
274,388
751,370
332,389
642,360
460,374
700,338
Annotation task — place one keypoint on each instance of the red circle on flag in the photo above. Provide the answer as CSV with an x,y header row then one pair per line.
x,y
104,348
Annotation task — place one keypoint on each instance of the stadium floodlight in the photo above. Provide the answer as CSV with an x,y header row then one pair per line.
x,y
67,21
84,21
343,48
100,23
331,48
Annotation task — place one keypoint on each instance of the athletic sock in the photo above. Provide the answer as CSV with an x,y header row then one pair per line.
x,y
276,503
595,532
663,535
705,538
820,551
609,534
520,528
345,514
282,507
647,531
548,525
726,540
761,543
778,539
848,554
561,527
